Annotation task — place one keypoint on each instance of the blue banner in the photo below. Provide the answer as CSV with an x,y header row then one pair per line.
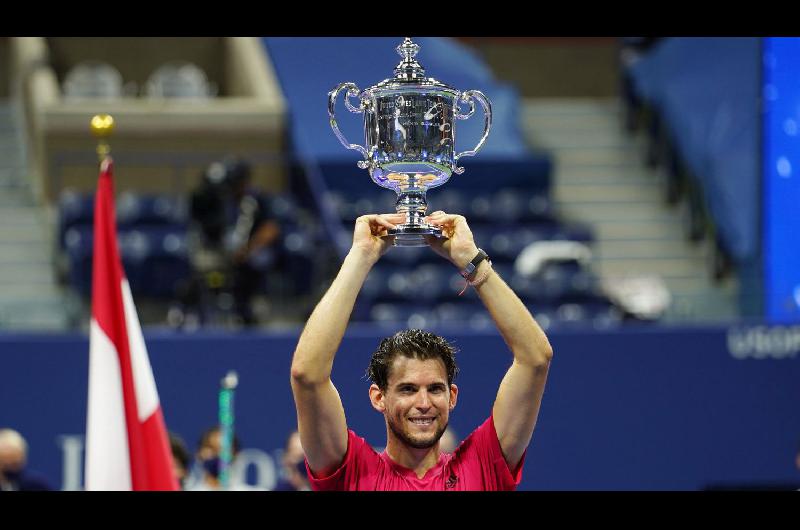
x,y
646,408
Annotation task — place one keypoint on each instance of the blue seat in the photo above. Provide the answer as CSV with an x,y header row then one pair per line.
x,y
134,209
74,209
398,315
78,241
297,257
464,314
155,259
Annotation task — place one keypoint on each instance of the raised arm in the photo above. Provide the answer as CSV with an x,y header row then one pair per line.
x,y
320,415
520,394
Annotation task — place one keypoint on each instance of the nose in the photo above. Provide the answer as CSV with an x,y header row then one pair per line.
x,y
423,401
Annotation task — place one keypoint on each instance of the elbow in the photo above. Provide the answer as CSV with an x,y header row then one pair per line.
x,y
303,377
542,356
547,352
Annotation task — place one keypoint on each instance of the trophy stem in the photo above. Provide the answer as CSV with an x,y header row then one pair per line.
x,y
412,233
414,204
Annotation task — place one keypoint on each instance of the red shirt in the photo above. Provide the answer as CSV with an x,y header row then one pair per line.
x,y
476,464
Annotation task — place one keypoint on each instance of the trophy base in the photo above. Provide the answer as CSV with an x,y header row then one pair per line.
x,y
413,235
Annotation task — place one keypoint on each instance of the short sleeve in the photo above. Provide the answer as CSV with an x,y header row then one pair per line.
x,y
480,461
359,462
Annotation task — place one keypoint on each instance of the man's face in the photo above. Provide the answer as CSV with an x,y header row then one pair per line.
x,y
12,457
417,401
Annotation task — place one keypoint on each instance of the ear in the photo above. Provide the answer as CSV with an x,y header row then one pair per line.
x,y
453,396
376,397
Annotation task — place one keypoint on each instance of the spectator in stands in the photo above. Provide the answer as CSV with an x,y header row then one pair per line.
x,y
796,485
208,461
180,458
293,466
412,381
14,475
449,441
235,220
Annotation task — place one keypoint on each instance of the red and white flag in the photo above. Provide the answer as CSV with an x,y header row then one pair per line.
x,y
127,447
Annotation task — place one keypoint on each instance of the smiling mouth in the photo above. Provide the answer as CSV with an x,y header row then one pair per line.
x,y
421,421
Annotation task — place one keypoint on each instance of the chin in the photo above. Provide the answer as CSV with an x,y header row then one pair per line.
x,y
422,442
419,441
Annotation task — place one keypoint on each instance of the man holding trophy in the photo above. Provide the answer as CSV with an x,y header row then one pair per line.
x,y
408,121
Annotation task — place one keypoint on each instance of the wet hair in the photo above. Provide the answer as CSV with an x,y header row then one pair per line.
x,y
414,344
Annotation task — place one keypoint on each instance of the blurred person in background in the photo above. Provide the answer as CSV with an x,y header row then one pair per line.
x,y
180,458
14,475
237,229
449,441
208,463
293,476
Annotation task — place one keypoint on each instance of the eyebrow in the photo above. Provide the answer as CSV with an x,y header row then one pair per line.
x,y
432,385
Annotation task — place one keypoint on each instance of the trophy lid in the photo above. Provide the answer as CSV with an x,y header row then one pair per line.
x,y
409,70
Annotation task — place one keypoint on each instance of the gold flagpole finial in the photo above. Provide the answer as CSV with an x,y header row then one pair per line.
x,y
102,126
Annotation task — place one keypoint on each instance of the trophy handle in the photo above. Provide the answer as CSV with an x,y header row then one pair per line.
x,y
352,92
467,97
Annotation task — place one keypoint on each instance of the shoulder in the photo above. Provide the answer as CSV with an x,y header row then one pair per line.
x,y
478,462
484,434
359,467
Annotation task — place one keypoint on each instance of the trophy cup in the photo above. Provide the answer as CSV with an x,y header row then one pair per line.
x,y
409,124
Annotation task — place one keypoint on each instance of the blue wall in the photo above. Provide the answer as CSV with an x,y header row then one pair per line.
x,y
633,409
781,166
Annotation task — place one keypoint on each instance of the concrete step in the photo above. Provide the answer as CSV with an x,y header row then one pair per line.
x,y
598,212
35,294
600,178
606,176
616,229
610,267
596,156
26,315
569,193
24,255
13,215
24,233
648,248
600,123
27,272
16,197
34,322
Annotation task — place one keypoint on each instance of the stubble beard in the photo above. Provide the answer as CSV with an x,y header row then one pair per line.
x,y
417,443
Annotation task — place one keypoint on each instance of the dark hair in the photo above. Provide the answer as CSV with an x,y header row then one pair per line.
x,y
205,439
179,451
415,344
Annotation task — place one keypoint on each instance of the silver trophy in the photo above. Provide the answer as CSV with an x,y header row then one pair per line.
x,y
409,124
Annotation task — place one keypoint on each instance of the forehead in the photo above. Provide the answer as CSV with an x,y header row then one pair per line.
x,y
417,371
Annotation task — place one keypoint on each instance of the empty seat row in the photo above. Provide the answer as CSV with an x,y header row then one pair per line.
x,y
100,80
506,205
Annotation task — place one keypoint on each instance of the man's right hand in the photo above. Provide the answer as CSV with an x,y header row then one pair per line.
x,y
369,234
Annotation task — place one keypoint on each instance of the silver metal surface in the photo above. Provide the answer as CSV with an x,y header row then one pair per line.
x,y
409,129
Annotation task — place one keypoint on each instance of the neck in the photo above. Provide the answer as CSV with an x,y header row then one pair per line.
x,y
418,460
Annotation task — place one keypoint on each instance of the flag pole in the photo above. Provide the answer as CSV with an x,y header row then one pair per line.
x,y
127,446
102,126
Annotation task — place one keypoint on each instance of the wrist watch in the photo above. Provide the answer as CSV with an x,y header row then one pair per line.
x,y
469,271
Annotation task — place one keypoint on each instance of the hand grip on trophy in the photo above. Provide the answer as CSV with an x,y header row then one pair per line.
x,y
352,91
467,97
